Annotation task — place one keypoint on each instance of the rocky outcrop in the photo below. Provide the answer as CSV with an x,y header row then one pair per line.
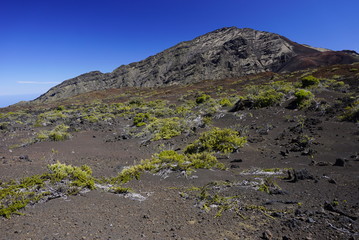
x,y
224,53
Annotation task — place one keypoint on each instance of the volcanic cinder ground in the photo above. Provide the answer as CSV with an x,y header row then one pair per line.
x,y
313,190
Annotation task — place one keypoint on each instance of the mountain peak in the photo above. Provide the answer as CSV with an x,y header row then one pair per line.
x,y
227,52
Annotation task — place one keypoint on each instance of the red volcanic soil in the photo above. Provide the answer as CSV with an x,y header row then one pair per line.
x,y
316,60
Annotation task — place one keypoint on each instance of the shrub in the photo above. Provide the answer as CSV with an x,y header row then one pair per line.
x,y
263,96
183,110
59,133
165,128
120,190
49,117
79,176
218,140
170,160
351,112
202,98
303,98
203,160
225,102
141,119
60,108
267,98
4,125
309,81
61,179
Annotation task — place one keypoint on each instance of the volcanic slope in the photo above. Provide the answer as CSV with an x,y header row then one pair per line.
x,y
263,156
224,53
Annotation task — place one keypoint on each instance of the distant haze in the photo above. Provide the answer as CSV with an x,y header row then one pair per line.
x,y
12,99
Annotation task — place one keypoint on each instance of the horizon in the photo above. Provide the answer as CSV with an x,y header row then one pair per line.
x,y
45,43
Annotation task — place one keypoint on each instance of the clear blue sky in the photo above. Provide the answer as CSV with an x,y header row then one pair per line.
x,y
43,43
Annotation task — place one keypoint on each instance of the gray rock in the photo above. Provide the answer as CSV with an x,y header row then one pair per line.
x,y
339,162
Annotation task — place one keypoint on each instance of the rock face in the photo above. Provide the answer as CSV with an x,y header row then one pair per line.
x,y
224,53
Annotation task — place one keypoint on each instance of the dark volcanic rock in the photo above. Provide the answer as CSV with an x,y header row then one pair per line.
x,y
224,53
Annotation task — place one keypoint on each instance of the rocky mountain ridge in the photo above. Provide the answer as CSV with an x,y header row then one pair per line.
x,y
223,53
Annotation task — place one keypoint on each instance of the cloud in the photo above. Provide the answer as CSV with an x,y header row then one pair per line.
x,y
35,82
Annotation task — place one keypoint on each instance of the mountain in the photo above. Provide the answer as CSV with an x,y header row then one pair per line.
x,y
223,53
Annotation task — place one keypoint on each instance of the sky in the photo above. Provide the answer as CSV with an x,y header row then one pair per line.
x,y
43,43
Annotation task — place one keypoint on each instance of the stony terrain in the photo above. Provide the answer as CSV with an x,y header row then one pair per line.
x,y
223,53
281,161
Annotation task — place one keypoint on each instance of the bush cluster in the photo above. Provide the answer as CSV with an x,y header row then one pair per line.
x,y
59,133
303,98
217,140
266,98
199,154
60,179
351,112
202,98
310,81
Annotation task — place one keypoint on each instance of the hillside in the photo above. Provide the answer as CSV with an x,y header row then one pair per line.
x,y
260,156
224,53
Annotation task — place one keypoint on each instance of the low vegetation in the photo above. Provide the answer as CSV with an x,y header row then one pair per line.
x,y
310,81
351,112
217,140
190,116
59,133
304,98
60,180
199,154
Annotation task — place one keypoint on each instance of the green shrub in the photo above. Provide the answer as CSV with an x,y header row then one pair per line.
x,y
170,160
141,119
218,140
183,110
92,118
79,176
61,178
4,125
351,112
225,102
120,190
203,160
165,128
303,98
267,98
202,98
60,108
260,96
49,117
59,133
310,81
